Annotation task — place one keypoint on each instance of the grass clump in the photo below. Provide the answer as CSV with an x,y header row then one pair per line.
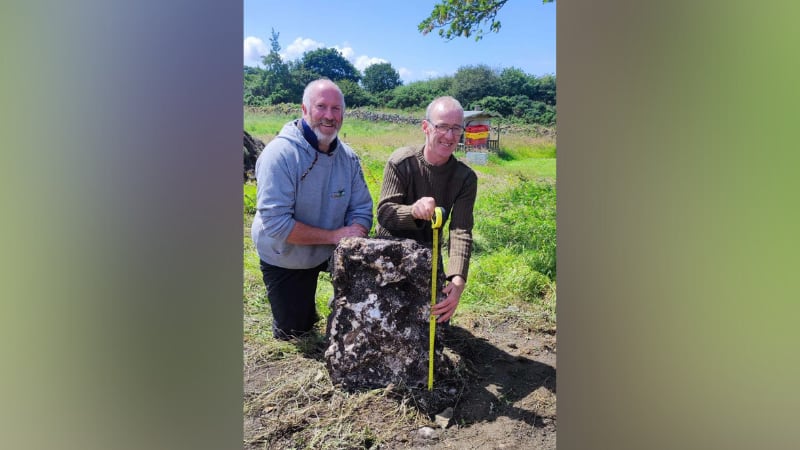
x,y
505,278
522,221
250,198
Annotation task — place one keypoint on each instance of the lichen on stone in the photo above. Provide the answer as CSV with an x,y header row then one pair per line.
x,y
378,328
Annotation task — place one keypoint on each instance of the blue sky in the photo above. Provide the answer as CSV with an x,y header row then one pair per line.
x,y
379,31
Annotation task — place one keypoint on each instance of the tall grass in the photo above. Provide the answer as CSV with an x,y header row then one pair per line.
x,y
514,247
520,220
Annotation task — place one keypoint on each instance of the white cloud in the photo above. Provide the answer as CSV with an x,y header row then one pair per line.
x,y
254,49
347,52
362,62
405,74
300,45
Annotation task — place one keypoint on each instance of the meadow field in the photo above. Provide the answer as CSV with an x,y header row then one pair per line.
x,y
503,334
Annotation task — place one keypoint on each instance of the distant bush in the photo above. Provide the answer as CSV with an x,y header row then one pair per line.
x,y
519,108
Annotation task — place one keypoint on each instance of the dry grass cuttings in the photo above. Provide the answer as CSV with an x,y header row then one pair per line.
x,y
291,403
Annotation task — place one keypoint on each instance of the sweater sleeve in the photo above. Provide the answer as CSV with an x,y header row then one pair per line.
x,y
461,223
360,208
275,198
394,212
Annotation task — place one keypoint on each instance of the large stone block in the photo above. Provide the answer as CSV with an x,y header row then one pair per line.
x,y
378,329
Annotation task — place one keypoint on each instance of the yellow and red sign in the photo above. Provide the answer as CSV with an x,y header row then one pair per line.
x,y
476,135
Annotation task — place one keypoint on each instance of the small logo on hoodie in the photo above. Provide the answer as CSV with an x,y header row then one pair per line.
x,y
338,194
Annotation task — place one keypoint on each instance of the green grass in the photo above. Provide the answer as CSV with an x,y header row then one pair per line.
x,y
265,126
520,219
505,277
376,141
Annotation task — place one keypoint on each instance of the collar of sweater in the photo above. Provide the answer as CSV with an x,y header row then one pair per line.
x,y
440,168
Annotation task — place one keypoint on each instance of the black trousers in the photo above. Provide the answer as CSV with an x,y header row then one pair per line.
x,y
291,294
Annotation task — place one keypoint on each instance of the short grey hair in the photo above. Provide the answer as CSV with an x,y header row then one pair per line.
x,y
312,85
444,99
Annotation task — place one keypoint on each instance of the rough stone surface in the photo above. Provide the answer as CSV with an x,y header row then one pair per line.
x,y
378,329
252,148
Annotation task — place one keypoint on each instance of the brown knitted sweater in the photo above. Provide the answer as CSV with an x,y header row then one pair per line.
x,y
408,177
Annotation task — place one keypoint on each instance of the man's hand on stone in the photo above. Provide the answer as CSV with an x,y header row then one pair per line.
x,y
354,230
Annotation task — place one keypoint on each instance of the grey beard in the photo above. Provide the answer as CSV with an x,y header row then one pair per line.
x,y
324,138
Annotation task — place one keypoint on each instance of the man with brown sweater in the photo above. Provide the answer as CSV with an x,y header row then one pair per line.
x,y
418,179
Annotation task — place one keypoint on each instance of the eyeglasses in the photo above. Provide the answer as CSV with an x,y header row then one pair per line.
x,y
443,129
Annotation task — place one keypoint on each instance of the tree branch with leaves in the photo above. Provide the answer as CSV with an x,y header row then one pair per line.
x,y
454,18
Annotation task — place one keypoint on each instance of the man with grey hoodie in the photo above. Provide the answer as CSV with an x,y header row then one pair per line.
x,y
311,193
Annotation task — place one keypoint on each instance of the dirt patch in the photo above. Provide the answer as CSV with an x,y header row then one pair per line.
x,y
503,395
510,401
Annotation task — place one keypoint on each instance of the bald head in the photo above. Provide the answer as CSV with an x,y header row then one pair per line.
x,y
443,104
314,89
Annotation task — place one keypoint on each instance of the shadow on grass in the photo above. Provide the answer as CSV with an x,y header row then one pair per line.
x,y
311,345
504,155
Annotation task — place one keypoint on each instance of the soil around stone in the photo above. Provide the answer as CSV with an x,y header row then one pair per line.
x,y
504,382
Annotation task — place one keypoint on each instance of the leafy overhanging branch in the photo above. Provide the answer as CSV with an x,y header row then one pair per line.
x,y
454,18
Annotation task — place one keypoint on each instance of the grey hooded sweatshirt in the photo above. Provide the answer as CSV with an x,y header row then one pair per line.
x,y
332,194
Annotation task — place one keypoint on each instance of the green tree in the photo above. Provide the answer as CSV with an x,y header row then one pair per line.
x,y
512,81
539,112
472,83
253,79
543,89
418,94
277,80
329,63
499,105
301,76
456,18
380,77
411,95
354,95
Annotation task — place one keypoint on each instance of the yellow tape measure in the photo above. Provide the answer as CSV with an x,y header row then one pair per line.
x,y
436,223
